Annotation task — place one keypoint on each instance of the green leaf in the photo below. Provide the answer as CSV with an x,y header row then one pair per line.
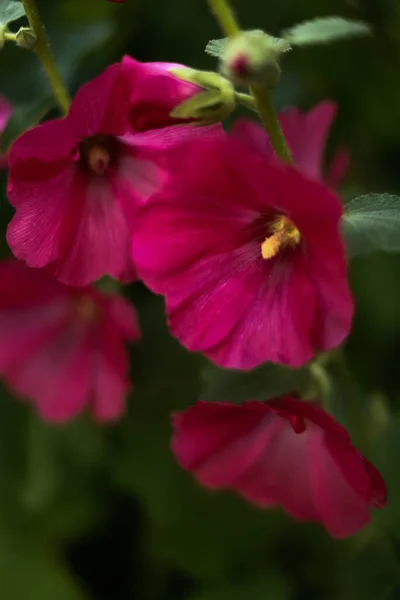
x,y
264,383
324,31
371,223
216,47
10,10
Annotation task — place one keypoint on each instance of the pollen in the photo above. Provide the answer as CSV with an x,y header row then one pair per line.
x,y
99,159
283,234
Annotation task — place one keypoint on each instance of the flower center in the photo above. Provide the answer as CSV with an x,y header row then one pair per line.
x,y
98,153
98,159
87,308
283,233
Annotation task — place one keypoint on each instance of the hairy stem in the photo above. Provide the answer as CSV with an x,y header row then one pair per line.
x,y
46,56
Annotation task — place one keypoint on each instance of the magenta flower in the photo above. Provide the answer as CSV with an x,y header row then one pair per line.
x,y
284,453
306,135
248,255
63,348
6,111
156,93
77,182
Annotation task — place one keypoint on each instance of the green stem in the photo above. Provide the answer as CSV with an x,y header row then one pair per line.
x,y
9,37
270,121
225,17
227,21
45,54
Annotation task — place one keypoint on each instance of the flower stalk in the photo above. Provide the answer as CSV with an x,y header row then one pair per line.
x,y
229,25
43,50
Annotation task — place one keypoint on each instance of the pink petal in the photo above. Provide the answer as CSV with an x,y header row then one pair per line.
x,y
338,168
57,377
6,110
313,472
276,324
123,316
157,92
102,105
306,135
110,375
95,238
34,232
342,511
52,141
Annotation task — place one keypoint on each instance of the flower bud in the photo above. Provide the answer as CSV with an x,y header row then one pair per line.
x,y
26,38
213,104
251,58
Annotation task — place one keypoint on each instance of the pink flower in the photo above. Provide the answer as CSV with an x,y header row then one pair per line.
x,y
248,255
284,453
63,348
306,135
6,111
77,182
157,92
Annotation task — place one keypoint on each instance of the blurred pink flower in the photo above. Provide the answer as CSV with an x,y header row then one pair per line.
x,y
63,348
77,182
306,135
284,453
248,255
6,111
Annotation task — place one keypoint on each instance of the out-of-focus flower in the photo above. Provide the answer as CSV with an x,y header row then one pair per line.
x,y
77,182
6,111
283,453
306,135
248,255
63,348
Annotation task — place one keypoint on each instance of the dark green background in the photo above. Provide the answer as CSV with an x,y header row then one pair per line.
x,y
104,512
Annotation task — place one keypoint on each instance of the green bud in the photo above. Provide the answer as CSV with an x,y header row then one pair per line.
x,y
26,38
213,104
251,58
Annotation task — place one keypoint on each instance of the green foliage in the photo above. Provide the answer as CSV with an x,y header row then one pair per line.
x,y
264,383
324,31
372,222
10,10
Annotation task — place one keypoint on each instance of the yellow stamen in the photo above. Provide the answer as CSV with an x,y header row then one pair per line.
x,y
283,233
271,245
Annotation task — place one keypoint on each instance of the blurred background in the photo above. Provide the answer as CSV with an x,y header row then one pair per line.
x,y
104,513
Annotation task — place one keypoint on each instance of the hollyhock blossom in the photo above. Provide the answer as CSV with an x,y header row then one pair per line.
x,y
76,183
156,93
63,348
283,453
6,111
248,255
306,135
